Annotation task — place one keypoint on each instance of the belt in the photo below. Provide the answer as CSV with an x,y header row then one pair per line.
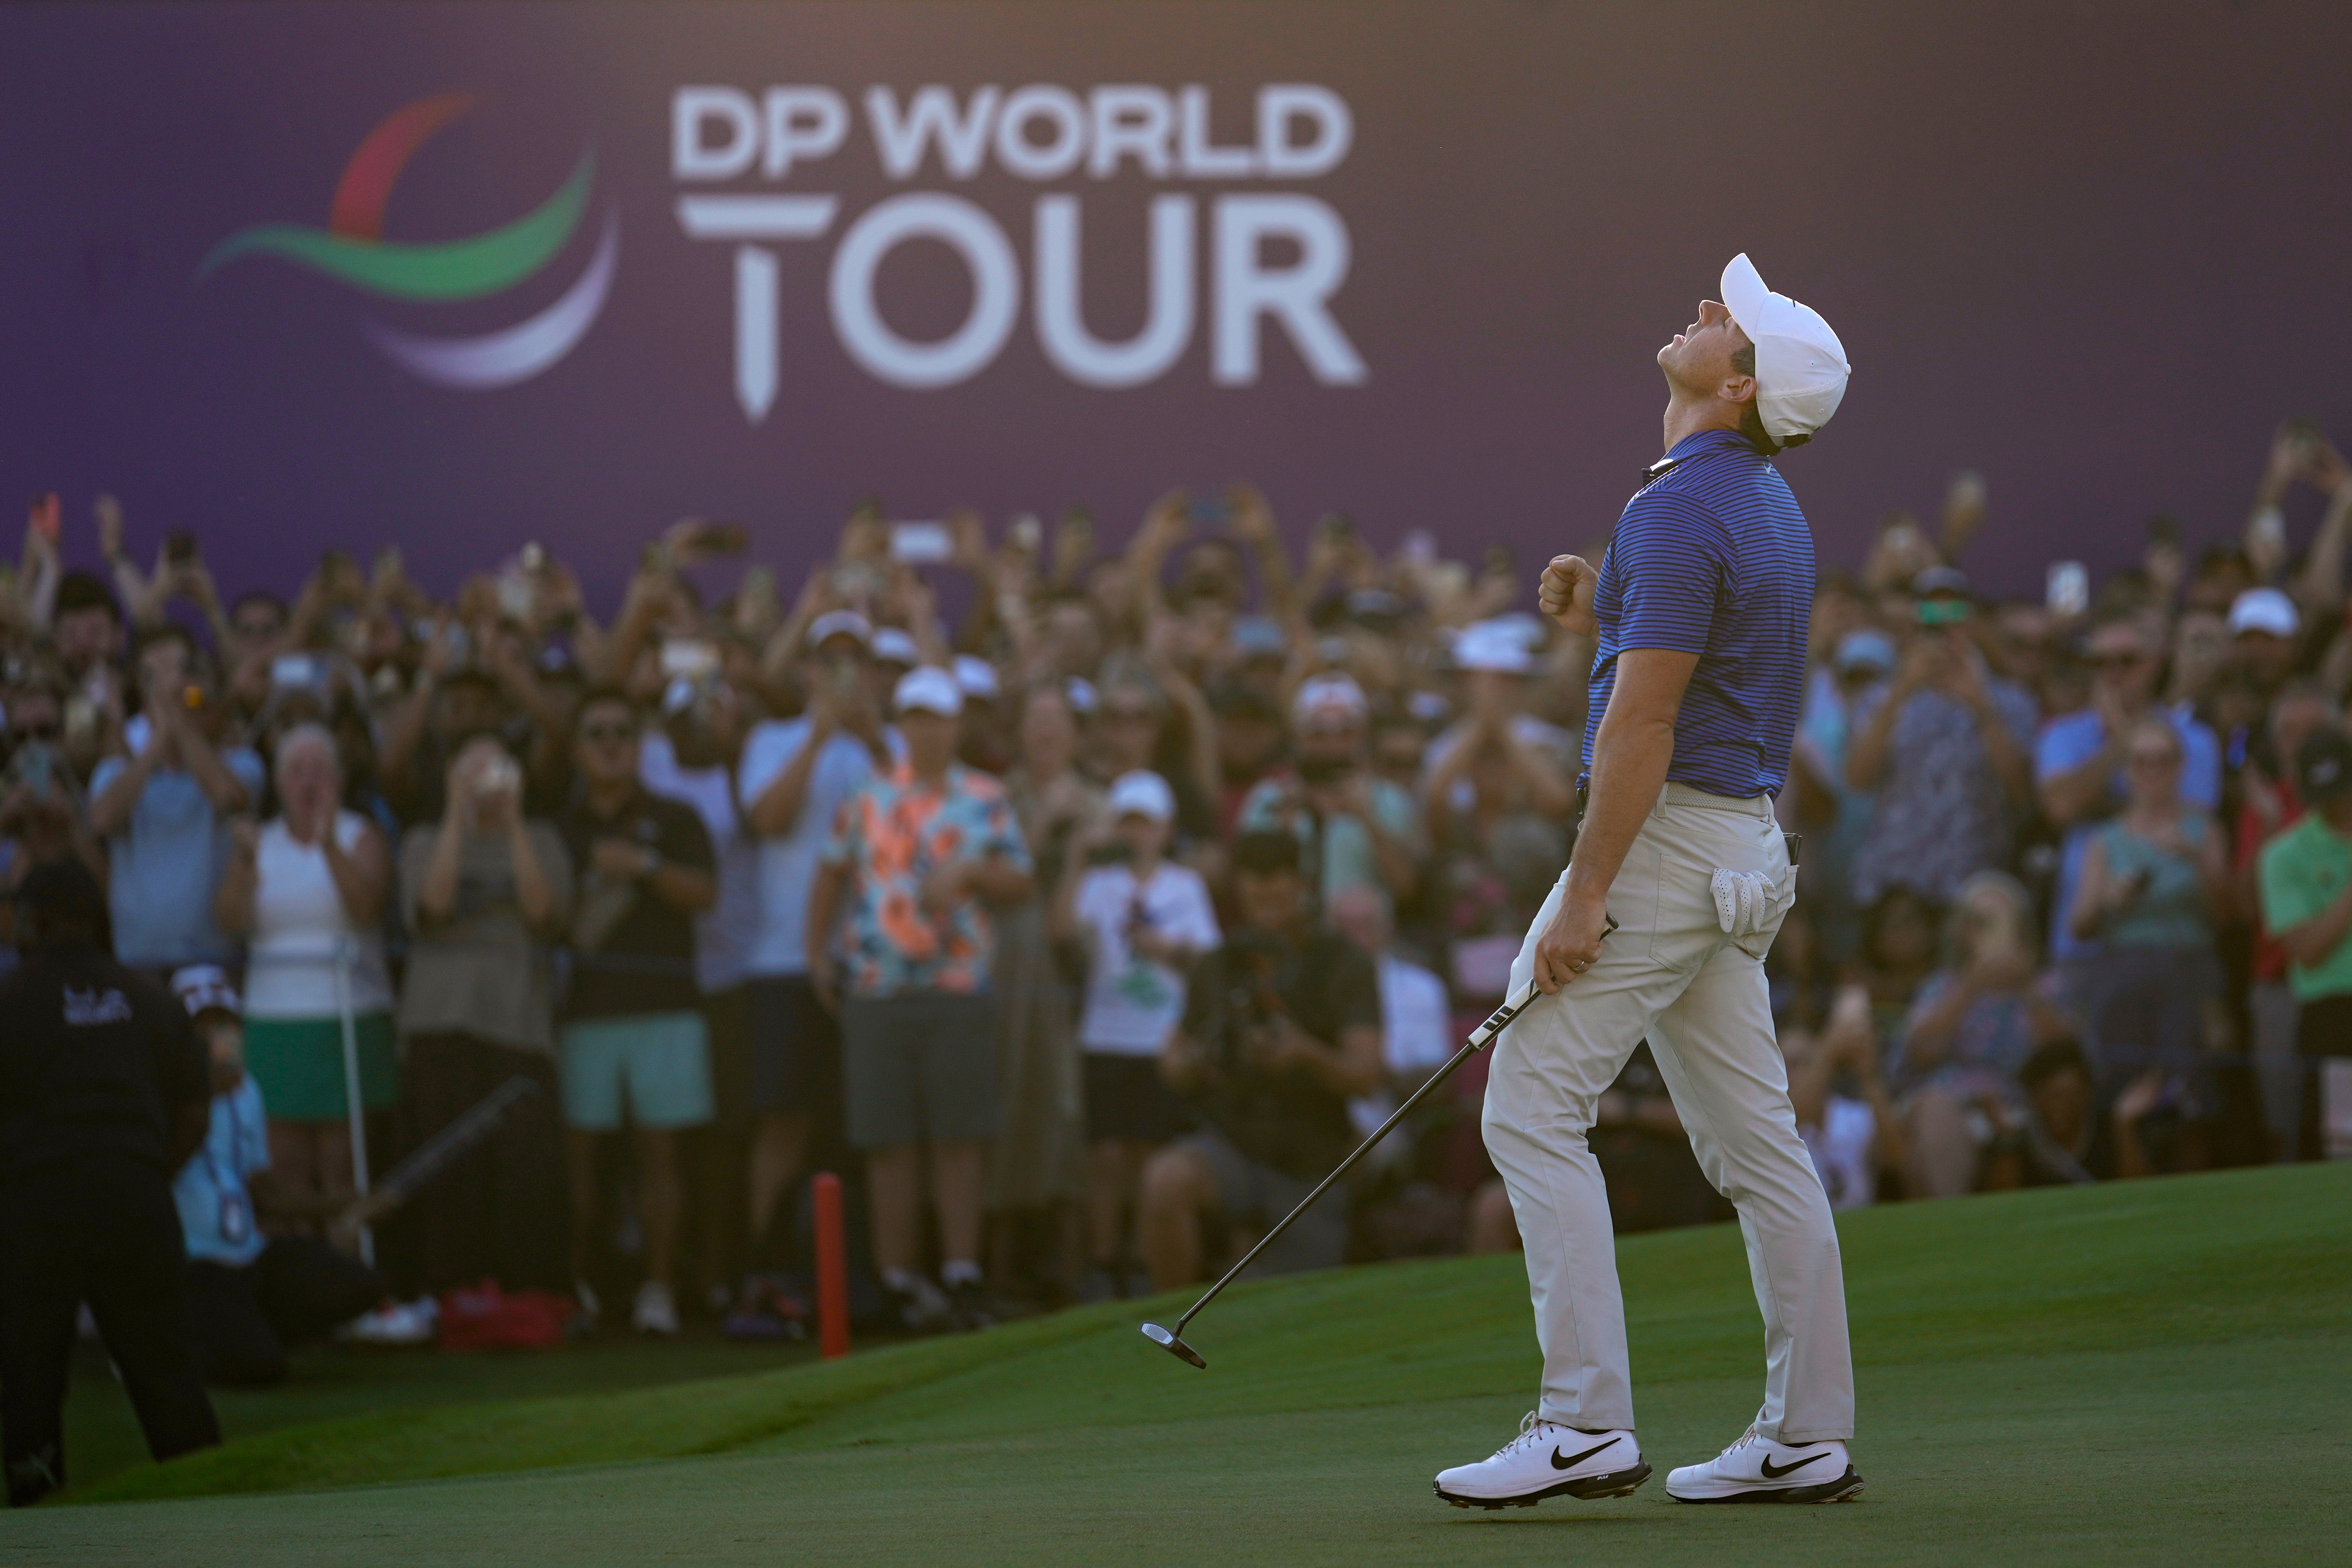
x,y
1684,794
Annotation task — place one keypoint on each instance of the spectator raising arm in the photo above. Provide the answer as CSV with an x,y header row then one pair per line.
x,y
1253,524
1164,527
233,896
141,597
485,794
42,569
363,875
1871,750
436,890
2071,794
1965,683
778,807
197,754
1199,725
109,812
2319,586
409,717
2265,540
534,893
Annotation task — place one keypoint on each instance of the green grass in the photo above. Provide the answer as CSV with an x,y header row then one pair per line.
x,y
331,1382
2142,1373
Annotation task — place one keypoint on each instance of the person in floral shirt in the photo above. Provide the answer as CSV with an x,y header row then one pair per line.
x,y
914,859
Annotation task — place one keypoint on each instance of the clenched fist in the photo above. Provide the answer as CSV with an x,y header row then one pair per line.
x,y
1566,594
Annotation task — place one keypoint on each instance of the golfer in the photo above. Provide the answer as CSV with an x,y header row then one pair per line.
x,y
1700,610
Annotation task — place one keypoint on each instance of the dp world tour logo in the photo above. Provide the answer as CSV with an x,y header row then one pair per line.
x,y
352,249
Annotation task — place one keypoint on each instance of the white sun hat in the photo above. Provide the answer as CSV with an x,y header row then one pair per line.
x,y
1801,368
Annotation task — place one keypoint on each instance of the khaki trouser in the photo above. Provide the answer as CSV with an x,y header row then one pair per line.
x,y
1668,973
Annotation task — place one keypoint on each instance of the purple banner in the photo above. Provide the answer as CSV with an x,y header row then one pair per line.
x,y
460,276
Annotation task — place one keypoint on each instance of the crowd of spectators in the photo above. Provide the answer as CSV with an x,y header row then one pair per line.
x,y
1082,908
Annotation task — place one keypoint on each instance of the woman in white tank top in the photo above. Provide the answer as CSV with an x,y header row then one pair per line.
x,y
307,890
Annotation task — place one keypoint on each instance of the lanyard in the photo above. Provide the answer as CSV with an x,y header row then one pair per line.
x,y
235,1208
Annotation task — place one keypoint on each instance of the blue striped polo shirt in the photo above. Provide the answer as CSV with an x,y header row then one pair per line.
x,y
1713,557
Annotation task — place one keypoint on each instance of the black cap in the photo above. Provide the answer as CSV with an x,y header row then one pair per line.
x,y
2323,769
1239,701
63,892
1267,852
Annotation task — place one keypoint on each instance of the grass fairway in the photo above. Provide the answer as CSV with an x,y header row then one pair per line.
x,y
2142,1373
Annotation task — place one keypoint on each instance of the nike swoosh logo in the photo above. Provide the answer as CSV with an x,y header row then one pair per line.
x,y
1773,1472
1559,1464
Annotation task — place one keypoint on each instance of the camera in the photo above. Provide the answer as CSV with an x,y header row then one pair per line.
x,y
1250,960
1317,772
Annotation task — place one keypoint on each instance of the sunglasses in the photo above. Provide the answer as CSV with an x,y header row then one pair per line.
x,y
2115,661
597,735
40,731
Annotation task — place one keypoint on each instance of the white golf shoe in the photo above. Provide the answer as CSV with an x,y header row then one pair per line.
x,y
1545,1460
1757,1470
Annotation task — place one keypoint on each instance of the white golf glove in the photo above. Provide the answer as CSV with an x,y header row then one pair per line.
x,y
1745,901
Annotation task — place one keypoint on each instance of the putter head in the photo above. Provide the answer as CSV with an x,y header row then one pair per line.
x,y
1172,1346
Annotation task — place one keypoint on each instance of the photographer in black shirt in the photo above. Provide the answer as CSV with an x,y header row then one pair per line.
x,y
1281,1025
103,1094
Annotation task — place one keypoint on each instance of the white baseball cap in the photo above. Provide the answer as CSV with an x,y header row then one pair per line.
x,y
840,624
1325,696
1491,644
1801,369
1142,793
976,676
930,689
894,645
2264,610
204,988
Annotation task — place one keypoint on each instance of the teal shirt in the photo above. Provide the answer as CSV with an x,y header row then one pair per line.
x,y
2171,910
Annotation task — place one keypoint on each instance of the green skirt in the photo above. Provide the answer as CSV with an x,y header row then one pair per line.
x,y
298,1065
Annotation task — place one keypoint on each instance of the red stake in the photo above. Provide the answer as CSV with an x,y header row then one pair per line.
x,y
831,1267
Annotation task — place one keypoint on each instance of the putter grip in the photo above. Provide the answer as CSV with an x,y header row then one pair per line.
x,y
1484,1034
1516,1002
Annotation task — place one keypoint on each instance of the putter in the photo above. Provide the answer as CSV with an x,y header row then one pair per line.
x,y
1173,1340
